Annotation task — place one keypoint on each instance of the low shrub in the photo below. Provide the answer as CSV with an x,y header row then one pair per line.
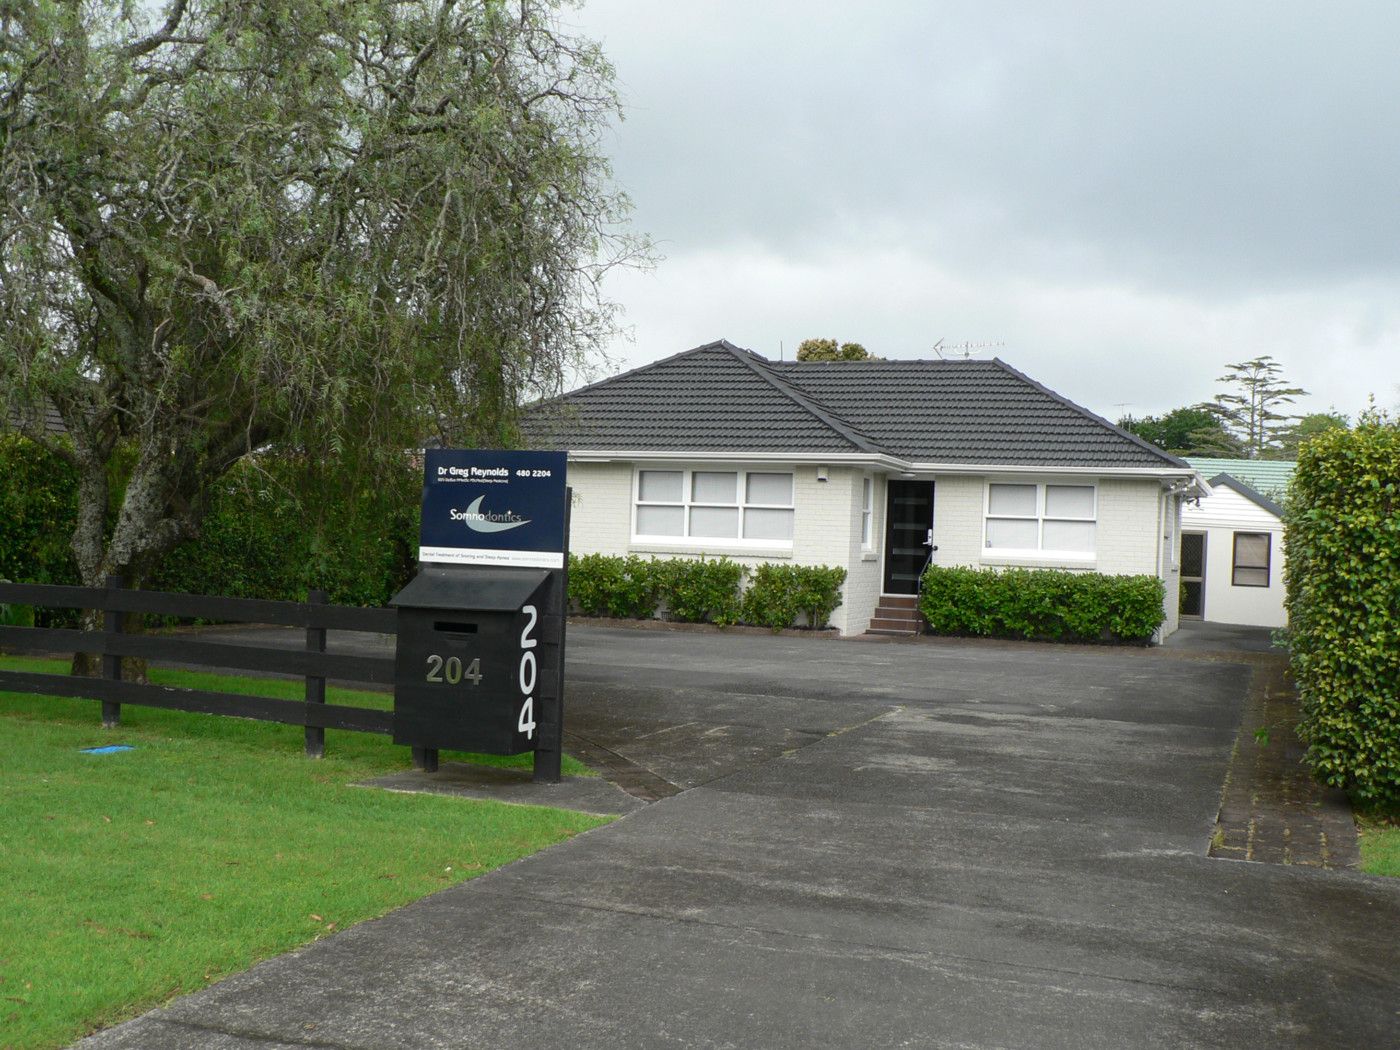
x,y
699,590
1343,585
600,585
779,594
1043,604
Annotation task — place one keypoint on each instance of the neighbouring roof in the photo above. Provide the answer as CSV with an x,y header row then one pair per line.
x,y
1248,492
1269,477
720,398
52,421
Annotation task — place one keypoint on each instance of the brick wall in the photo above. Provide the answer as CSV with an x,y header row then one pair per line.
x,y
826,529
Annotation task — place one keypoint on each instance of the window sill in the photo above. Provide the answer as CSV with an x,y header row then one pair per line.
x,y
869,556
709,550
1041,560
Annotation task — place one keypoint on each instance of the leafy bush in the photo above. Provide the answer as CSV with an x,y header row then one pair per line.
x,y
697,591
779,594
600,585
1343,593
277,530
274,530
1045,604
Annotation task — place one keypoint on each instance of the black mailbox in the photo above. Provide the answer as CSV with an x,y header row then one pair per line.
x,y
477,659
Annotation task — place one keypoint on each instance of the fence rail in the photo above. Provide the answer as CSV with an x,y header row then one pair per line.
x,y
313,663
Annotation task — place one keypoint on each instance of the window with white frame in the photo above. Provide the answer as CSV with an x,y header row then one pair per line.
x,y
1041,518
741,506
867,512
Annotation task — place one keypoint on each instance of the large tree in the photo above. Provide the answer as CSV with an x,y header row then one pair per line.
x,y
1249,406
334,226
1184,432
831,350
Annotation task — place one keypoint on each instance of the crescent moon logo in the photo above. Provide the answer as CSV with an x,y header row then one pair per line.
x,y
478,521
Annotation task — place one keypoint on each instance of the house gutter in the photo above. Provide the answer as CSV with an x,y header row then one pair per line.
x,y
882,461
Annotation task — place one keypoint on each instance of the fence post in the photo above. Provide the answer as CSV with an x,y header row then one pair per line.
x,y
112,625
315,684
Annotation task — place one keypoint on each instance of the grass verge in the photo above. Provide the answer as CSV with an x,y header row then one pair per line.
x,y
1380,844
134,877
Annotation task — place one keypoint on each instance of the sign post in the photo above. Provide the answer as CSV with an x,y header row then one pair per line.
x,y
479,662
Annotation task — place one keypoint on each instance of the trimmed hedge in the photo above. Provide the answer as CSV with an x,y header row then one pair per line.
x,y
1343,594
274,530
779,594
703,590
621,587
1042,604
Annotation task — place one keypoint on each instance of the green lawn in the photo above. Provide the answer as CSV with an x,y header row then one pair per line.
x,y
1380,845
134,877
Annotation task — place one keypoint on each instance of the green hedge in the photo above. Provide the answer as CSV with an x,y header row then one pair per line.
x,y
779,594
621,587
274,530
1343,593
277,531
703,590
1042,604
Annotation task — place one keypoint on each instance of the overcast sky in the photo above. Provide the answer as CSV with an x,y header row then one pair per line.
x,y
1123,197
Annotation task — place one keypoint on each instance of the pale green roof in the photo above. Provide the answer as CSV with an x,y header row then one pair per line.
x,y
1268,476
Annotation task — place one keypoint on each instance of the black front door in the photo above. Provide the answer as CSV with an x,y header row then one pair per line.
x,y
908,518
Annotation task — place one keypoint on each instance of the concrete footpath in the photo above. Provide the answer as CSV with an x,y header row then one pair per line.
x,y
929,843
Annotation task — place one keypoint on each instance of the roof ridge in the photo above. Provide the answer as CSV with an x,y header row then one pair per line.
x,y
1175,461
758,364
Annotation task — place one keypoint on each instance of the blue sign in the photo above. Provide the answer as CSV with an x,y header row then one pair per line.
x,y
493,508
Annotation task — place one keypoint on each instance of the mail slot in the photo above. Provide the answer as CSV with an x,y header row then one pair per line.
x,y
476,659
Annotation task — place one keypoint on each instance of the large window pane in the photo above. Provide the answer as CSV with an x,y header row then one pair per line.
x,y
660,486
1012,534
1077,536
1015,500
1251,568
707,486
714,522
767,524
661,521
774,490
1069,501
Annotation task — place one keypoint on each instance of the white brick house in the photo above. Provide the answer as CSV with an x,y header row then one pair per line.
x,y
876,466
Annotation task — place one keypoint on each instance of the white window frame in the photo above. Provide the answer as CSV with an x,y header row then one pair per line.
x,y
867,513
687,502
1039,552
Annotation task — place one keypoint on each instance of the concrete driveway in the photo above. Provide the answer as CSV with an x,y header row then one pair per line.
x,y
924,844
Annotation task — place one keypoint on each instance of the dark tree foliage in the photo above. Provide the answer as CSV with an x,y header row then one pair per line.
x,y
831,350
1185,432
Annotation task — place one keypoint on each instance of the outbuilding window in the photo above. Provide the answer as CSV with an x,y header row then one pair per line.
x,y
742,506
1041,518
1251,560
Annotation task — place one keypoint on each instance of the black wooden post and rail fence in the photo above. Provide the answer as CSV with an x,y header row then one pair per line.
x,y
313,664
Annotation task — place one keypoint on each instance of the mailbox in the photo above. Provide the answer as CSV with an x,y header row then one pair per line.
x,y
477,659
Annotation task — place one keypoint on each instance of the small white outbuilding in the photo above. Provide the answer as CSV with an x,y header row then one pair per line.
x,y
1232,553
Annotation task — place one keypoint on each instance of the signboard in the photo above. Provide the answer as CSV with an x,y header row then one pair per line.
x,y
493,508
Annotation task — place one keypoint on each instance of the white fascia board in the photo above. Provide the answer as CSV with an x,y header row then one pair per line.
x,y
882,461
1146,473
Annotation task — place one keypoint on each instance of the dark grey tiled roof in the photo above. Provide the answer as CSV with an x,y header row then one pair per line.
x,y
720,398
713,398
968,412
52,421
